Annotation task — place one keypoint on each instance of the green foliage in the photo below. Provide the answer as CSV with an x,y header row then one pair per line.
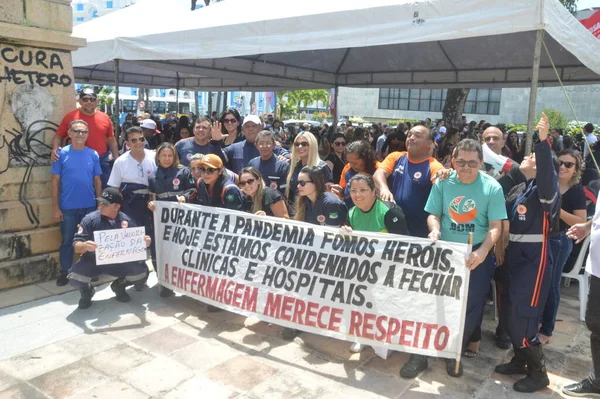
x,y
556,118
570,5
105,97
291,102
514,126
573,127
395,122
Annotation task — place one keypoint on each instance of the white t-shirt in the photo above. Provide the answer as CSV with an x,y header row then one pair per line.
x,y
591,139
593,260
127,170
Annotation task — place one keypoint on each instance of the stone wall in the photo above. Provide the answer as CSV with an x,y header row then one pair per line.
x,y
36,90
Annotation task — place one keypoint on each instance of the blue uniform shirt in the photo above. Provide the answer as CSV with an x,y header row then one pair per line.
x,y
411,185
273,171
186,148
237,155
328,210
96,222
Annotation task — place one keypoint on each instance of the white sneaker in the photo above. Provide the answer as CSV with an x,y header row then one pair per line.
x,y
356,347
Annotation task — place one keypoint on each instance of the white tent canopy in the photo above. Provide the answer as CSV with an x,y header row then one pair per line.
x,y
280,44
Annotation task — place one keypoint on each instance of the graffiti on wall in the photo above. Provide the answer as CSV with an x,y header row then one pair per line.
x,y
26,78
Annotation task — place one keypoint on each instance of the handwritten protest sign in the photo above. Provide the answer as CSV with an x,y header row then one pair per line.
x,y
399,292
120,245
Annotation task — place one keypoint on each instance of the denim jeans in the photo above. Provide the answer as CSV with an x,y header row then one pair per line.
x,y
560,247
68,228
106,169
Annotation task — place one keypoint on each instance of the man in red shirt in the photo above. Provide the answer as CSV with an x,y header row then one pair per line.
x,y
101,137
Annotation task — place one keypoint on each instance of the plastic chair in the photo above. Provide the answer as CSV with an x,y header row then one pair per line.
x,y
583,279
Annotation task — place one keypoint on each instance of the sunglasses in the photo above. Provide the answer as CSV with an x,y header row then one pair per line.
x,y
339,143
78,131
303,183
230,120
249,181
141,140
567,164
301,144
208,171
462,163
88,99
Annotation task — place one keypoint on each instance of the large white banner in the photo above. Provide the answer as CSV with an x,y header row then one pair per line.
x,y
385,290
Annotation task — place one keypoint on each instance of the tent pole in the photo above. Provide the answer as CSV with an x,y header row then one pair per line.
x,y
534,88
177,95
117,108
335,105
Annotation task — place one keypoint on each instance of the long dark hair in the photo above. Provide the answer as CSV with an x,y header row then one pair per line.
x,y
364,151
317,176
258,195
236,115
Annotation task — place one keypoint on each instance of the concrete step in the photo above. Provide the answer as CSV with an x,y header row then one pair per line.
x,y
29,243
33,269
11,182
14,216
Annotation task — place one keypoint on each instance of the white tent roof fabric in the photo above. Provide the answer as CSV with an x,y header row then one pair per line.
x,y
281,44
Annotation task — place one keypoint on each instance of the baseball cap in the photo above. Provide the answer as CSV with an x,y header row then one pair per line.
x,y
88,91
212,160
149,124
252,118
443,129
110,195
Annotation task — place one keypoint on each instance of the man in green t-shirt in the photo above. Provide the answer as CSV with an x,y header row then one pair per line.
x,y
468,201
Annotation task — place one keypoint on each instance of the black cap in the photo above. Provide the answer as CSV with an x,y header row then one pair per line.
x,y
88,91
110,195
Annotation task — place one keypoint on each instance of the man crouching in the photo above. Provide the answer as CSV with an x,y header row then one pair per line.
x,y
107,217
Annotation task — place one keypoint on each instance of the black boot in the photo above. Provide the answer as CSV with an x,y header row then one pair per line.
x,y
503,341
536,378
141,285
517,365
415,364
118,286
87,293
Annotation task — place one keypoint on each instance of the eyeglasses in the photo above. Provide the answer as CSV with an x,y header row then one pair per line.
x,y
303,183
88,99
208,171
140,169
339,143
301,144
249,181
79,131
141,140
202,127
567,164
361,191
230,120
461,163
197,168
263,145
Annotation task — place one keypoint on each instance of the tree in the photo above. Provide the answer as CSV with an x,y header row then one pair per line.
x,y
570,5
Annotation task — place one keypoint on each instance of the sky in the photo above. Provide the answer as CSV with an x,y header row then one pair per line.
x,y
587,4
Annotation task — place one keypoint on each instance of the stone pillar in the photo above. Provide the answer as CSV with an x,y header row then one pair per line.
x,y
36,90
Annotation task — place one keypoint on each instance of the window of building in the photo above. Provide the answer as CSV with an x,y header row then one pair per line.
x,y
109,4
479,101
79,19
78,7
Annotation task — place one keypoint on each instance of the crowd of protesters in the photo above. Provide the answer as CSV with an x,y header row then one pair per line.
x,y
393,179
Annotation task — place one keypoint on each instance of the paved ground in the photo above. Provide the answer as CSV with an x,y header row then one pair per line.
x,y
173,348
